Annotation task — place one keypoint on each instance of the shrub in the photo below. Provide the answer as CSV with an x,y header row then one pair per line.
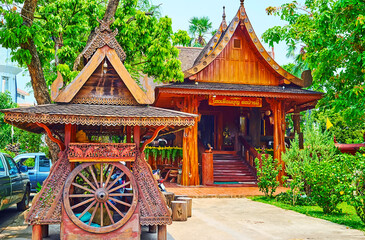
x,y
316,170
356,182
267,174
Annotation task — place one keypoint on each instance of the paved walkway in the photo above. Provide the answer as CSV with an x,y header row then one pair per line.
x,y
217,192
231,219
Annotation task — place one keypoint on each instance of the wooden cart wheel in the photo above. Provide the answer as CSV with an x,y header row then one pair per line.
x,y
100,197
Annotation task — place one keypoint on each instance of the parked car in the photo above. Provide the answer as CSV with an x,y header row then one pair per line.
x,y
38,167
14,184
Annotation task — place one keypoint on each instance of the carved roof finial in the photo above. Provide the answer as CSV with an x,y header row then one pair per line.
x,y
224,23
105,25
224,13
242,2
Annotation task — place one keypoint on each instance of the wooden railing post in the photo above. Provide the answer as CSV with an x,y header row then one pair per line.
x,y
207,168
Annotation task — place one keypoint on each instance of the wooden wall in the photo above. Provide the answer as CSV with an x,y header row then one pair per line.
x,y
242,65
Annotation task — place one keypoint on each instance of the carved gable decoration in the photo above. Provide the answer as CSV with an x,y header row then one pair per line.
x,y
105,86
104,37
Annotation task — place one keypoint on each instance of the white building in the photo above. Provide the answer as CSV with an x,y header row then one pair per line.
x,y
14,80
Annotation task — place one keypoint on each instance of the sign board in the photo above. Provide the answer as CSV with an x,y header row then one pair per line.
x,y
235,101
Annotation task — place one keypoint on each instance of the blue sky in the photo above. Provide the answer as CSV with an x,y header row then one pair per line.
x,y
181,11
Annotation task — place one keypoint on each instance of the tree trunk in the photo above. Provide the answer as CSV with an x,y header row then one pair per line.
x,y
38,81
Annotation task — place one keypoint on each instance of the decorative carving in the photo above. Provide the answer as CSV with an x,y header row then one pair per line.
x,y
98,120
93,152
105,101
153,208
104,36
46,205
56,86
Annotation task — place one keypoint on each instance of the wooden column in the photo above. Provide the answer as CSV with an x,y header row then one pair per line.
x,y
279,128
162,232
37,232
137,135
190,166
207,168
129,134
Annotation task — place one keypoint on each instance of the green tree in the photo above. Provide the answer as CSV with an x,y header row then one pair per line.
x,y
5,129
331,33
198,28
48,36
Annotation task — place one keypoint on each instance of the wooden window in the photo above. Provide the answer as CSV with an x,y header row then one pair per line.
x,y
236,43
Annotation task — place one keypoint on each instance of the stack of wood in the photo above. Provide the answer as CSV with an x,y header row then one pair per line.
x,y
181,206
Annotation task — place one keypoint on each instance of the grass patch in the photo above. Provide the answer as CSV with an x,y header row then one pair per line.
x,y
348,217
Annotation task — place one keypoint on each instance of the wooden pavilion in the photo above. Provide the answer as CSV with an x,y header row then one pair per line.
x,y
89,192
242,97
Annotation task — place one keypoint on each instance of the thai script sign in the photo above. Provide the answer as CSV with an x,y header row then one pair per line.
x,y
235,101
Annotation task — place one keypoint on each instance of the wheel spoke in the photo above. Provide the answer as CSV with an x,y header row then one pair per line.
x,y
93,174
101,176
101,215
87,209
121,194
109,176
119,187
121,202
82,203
81,195
82,187
109,214
116,209
116,180
87,180
93,215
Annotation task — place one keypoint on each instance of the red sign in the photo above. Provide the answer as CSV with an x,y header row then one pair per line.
x,y
235,101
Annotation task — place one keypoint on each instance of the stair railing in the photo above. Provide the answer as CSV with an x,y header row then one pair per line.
x,y
249,153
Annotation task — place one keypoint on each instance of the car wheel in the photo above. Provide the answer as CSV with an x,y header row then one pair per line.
x,y
24,204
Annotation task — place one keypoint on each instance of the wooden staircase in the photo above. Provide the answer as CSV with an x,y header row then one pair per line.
x,y
231,169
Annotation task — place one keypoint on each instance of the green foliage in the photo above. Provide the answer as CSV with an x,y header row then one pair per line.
x,y
356,183
181,38
316,170
331,36
267,172
12,154
198,29
29,142
5,129
300,199
30,162
61,29
343,132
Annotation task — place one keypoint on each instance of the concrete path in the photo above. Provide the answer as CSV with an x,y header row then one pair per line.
x,y
231,218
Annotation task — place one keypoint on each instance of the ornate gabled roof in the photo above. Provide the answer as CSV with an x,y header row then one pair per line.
x,y
109,83
221,40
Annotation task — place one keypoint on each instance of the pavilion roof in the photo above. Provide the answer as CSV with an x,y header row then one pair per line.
x,y
227,89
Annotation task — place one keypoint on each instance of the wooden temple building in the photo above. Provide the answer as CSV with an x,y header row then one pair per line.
x,y
98,121
242,97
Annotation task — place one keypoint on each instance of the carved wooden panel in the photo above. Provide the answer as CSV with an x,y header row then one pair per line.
x,y
105,87
99,152
241,65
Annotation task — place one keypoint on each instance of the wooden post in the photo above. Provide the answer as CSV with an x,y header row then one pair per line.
x,y
207,168
190,166
137,135
152,229
179,210
37,232
162,232
279,135
169,197
189,202
129,134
